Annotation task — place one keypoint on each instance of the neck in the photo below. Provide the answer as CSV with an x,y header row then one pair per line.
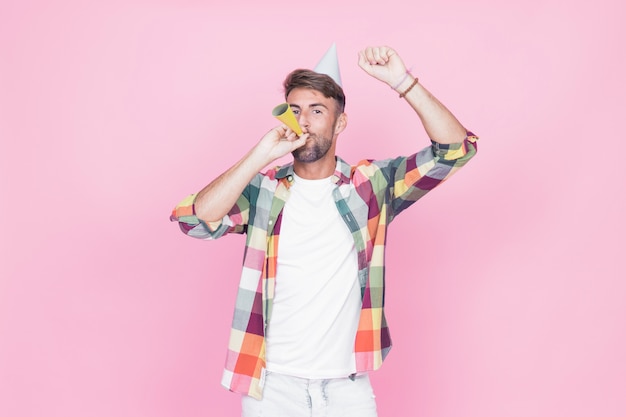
x,y
323,168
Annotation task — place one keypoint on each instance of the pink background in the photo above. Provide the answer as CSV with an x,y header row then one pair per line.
x,y
506,292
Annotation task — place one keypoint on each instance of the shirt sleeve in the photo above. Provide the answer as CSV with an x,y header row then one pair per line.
x,y
235,221
412,177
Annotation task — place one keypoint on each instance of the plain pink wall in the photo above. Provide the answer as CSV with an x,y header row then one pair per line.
x,y
506,292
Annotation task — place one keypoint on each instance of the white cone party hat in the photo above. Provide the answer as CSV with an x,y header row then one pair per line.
x,y
329,65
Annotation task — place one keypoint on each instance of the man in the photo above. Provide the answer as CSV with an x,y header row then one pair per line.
x,y
309,322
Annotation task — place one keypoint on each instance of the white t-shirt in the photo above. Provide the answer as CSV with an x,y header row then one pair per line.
x,y
317,300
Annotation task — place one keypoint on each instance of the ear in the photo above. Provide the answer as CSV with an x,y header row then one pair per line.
x,y
342,122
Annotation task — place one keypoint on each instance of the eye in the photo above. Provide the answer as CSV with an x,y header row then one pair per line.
x,y
317,111
295,111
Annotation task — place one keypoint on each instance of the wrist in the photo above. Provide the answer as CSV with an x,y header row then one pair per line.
x,y
260,156
407,86
404,83
401,80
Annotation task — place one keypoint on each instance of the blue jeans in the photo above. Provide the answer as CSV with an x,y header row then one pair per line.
x,y
288,396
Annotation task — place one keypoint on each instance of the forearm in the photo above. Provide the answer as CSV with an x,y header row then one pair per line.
x,y
439,122
215,200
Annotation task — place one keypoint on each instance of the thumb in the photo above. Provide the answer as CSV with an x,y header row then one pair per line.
x,y
298,143
366,66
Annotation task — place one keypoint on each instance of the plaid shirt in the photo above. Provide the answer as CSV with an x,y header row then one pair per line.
x,y
368,196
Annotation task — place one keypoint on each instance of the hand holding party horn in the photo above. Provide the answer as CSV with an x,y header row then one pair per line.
x,y
284,113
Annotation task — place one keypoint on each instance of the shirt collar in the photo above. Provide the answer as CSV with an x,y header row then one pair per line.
x,y
340,176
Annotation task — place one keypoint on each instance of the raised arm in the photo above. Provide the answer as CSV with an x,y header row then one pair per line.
x,y
214,201
384,64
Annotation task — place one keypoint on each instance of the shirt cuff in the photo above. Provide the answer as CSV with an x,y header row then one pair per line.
x,y
184,212
454,151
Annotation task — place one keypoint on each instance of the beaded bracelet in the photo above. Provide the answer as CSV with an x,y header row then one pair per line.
x,y
409,89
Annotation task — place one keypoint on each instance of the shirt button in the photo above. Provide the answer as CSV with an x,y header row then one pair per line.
x,y
271,221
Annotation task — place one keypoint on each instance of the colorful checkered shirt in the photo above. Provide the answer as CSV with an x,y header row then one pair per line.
x,y
368,196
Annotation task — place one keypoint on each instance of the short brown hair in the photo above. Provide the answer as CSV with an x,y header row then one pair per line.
x,y
304,78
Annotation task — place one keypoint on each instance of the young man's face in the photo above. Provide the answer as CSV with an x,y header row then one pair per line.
x,y
317,117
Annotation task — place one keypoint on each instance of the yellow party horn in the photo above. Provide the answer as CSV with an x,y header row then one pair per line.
x,y
284,113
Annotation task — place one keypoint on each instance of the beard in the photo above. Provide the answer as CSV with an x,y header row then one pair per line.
x,y
315,149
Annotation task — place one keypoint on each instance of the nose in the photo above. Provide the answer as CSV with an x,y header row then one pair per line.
x,y
303,121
